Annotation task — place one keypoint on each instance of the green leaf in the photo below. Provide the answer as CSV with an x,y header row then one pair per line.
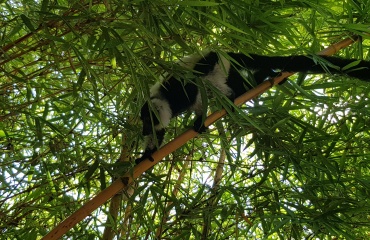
x,y
27,22
351,65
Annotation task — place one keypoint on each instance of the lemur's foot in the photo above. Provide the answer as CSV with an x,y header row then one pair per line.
x,y
280,83
199,126
139,160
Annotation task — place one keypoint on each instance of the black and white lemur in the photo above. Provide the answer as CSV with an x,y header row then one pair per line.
x,y
232,74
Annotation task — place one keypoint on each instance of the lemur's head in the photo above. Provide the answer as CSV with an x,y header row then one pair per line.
x,y
155,119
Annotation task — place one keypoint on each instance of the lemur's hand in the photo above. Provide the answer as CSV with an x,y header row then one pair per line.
x,y
146,155
199,125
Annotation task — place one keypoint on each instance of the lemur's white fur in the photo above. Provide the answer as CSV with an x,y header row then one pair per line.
x,y
164,110
217,77
191,60
150,141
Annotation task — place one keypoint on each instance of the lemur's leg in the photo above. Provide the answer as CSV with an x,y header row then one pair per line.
x,y
151,145
197,107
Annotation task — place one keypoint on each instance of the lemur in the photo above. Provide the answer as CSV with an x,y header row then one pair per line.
x,y
232,74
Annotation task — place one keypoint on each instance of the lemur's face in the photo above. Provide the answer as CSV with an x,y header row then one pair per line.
x,y
149,119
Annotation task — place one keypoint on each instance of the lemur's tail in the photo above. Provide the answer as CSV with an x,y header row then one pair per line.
x,y
315,65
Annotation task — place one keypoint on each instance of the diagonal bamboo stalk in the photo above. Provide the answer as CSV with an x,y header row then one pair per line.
x,y
176,143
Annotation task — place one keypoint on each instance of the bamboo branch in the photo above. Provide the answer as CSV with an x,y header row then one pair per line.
x,y
176,143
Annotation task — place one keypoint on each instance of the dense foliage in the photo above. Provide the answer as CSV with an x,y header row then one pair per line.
x,y
292,164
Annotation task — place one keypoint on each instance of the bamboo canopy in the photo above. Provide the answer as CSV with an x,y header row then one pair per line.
x,y
126,180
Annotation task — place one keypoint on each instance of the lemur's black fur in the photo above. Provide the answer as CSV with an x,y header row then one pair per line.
x,y
232,74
